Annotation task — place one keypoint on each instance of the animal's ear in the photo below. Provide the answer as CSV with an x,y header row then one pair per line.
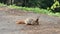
x,y
37,19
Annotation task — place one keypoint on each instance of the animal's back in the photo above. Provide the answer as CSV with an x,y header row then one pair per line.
x,y
29,21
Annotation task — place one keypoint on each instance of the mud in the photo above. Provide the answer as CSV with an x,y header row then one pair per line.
x,y
8,18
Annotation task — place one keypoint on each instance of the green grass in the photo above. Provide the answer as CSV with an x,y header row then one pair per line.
x,y
54,14
1,4
36,10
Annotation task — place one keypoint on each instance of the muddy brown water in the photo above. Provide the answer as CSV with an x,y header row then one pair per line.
x,y
8,18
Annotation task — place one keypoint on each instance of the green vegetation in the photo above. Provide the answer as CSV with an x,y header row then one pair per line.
x,y
55,5
36,10
1,4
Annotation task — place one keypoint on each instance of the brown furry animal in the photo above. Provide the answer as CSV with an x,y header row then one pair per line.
x,y
29,21
20,22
